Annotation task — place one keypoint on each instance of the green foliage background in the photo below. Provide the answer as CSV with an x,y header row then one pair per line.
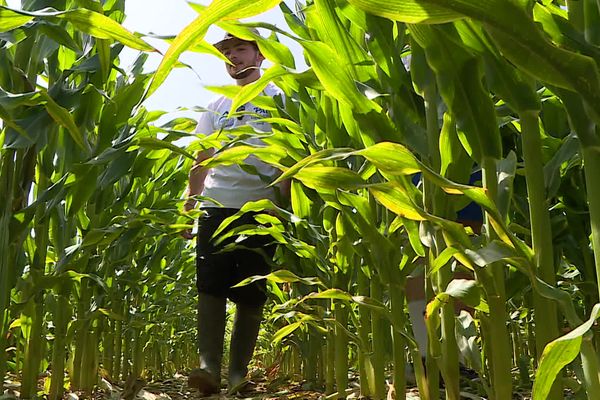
x,y
94,277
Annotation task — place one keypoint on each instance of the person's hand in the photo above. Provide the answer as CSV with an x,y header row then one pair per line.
x,y
187,207
187,234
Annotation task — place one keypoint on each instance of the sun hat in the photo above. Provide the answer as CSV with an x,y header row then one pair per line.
x,y
229,38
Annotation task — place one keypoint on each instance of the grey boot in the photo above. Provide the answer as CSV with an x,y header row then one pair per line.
x,y
211,332
243,339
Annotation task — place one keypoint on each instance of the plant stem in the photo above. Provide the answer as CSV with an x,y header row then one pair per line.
x,y
378,346
496,297
592,21
434,202
546,317
431,202
34,352
399,343
118,355
330,373
575,8
341,349
363,332
61,320
591,159
590,364
6,192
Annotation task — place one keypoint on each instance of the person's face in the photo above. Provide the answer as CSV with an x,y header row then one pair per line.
x,y
245,57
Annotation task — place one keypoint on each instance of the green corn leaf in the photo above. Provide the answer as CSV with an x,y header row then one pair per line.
x,y
317,158
442,259
495,251
249,92
409,11
64,118
559,353
201,46
330,294
10,20
555,22
60,35
514,31
282,276
272,49
459,76
286,331
295,23
523,43
237,154
111,314
195,31
503,79
103,27
336,76
7,121
329,178
396,200
154,143
103,48
10,101
462,289
414,237
392,158
331,30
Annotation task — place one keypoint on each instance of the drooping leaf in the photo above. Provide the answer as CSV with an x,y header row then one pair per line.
x,y
396,200
392,158
558,353
10,19
336,76
217,10
409,11
329,178
64,118
103,27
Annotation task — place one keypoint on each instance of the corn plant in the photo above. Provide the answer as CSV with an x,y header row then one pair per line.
x,y
364,124
92,205
393,89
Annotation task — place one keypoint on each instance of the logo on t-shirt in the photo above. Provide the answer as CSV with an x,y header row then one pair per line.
x,y
224,122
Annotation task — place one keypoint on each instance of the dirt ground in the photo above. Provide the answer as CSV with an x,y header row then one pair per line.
x,y
176,389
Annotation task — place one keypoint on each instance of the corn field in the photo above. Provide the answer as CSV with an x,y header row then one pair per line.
x,y
95,279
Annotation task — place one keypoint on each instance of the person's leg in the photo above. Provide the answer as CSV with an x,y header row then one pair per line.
x,y
243,339
415,296
211,334
213,270
249,300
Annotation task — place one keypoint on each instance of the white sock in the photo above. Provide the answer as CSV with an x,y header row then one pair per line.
x,y
416,311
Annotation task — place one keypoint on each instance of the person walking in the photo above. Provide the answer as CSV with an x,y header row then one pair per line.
x,y
230,186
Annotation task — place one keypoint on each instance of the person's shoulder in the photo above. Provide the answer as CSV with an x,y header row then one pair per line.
x,y
217,103
272,90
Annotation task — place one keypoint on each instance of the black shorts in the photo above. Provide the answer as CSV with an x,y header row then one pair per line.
x,y
218,271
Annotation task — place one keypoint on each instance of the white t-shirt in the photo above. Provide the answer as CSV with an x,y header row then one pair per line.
x,y
230,185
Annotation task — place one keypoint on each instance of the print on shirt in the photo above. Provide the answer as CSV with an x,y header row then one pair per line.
x,y
234,185
224,122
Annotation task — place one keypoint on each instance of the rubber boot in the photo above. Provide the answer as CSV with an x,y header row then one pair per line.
x,y
211,333
243,339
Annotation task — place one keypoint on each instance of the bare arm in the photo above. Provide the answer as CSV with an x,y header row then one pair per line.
x,y
196,185
197,177
286,188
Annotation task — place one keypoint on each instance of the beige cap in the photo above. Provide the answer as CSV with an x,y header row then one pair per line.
x,y
228,38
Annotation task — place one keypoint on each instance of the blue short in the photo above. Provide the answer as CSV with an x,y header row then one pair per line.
x,y
472,213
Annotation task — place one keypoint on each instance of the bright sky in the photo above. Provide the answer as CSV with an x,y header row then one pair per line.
x,y
183,87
